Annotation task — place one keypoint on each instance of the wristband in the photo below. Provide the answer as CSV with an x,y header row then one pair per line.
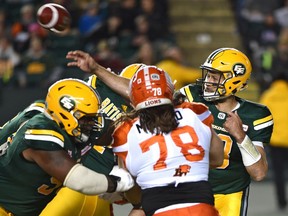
x,y
250,154
112,183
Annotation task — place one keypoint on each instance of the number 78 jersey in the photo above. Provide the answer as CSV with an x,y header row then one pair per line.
x,y
179,156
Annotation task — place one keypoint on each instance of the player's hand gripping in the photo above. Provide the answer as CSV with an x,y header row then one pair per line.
x,y
119,180
234,126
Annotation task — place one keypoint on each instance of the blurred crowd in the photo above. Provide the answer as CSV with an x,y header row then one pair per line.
x,y
116,32
263,29
120,32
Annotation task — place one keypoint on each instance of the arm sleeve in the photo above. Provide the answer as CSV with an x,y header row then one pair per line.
x,y
86,181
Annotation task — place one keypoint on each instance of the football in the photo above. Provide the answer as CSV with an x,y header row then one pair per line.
x,y
54,17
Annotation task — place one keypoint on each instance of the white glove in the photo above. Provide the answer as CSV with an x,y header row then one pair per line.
x,y
121,178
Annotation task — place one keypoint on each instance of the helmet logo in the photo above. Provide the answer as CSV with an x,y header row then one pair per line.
x,y
239,69
155,77
67,103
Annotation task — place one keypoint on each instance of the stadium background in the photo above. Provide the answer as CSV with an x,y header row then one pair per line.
x,y
199,27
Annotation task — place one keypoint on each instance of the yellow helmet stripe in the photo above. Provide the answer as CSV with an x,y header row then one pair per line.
x,y
212,55
215,53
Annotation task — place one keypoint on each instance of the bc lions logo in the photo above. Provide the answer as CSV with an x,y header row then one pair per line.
x,y
67,103
182,170
239,69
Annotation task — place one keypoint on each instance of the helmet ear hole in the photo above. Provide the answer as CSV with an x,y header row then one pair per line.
x,y
235,83
63,116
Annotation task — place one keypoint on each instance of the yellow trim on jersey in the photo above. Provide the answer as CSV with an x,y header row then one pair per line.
x,y
124,107
45,138
188,93
45,132
45,135
263,123
99,149
38,104
263,120
93,81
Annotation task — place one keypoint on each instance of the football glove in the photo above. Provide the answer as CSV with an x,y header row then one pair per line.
x,y
119,180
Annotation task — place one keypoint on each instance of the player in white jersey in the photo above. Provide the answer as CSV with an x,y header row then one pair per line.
x,y
168,148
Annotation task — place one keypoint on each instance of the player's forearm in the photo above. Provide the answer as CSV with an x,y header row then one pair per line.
x,y
254,159
133,195
93,184
117,83
87,181
258,171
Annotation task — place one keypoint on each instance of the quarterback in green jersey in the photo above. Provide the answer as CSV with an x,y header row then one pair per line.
x,y
42,154
243,126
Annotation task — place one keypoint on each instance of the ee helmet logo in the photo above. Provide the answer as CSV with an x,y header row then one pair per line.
x,y
67,103
239,69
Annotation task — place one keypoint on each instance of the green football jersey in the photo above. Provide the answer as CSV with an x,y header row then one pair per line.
x,y
101,159
12,126
30,196
25,188
113,105
257,120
